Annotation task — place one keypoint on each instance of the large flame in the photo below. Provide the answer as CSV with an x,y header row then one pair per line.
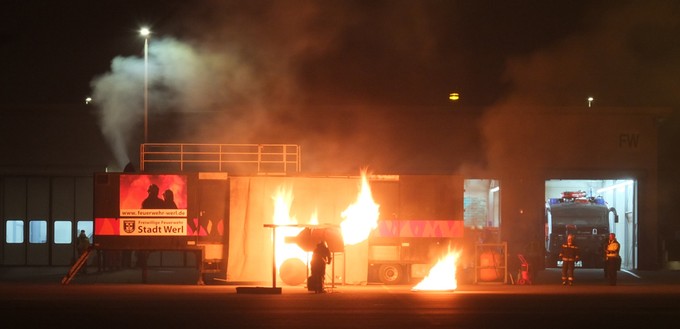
x,y
361,217
442,276
282,203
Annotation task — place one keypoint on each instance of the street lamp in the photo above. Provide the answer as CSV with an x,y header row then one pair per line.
x,y
590,101
145,32
454,97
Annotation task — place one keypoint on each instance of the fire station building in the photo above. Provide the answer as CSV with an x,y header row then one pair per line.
x,y
621,154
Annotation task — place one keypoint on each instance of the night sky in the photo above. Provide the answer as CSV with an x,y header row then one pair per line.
x,y
362,81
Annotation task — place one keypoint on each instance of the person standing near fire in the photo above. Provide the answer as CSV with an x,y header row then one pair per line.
x,y
612,259
320,258
570,255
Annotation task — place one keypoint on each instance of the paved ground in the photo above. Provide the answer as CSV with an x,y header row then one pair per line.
x,y
35,298
190,276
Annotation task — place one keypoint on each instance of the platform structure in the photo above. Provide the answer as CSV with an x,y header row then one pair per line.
x,y
263,159
82,261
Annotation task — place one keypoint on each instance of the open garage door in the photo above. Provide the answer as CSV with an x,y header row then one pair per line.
x,y
603,206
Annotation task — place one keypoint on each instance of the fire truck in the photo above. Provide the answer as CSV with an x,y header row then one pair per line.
x,y
421,220
402,251
587,219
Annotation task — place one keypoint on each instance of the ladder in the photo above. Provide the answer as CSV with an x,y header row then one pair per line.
x,y
82,260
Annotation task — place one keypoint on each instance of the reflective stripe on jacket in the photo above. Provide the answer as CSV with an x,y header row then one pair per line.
x,y
569,253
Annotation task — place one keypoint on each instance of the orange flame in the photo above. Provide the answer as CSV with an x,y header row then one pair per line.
x,y
361,217
282,203
442,276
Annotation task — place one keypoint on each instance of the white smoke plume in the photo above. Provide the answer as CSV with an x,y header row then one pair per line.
x,y
119,95
238,80
179,77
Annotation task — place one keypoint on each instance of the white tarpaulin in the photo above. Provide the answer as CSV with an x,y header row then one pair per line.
x,y
252,206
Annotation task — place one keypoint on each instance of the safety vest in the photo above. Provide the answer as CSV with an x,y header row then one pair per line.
x,y
613,249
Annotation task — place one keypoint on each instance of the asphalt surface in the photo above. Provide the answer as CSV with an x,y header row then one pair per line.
x,y
172,299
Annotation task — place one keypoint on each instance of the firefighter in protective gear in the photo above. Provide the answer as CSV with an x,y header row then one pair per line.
x,y
570,255
320,258
612,259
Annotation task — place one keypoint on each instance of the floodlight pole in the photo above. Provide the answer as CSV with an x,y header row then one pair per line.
x,y
146,89
145,33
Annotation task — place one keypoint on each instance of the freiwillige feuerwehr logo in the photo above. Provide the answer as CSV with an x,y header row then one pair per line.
x,y
128,226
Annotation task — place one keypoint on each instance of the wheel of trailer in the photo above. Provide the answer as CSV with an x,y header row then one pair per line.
x,y
390,273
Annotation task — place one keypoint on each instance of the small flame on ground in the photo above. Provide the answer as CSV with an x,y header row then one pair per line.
x,y
442,276
361,217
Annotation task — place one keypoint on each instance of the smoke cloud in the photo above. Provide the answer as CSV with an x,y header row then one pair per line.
x,y
180,78
119,96
276,72
624,57
359,83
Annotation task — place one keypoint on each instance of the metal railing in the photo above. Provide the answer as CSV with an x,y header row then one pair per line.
x,y
266,159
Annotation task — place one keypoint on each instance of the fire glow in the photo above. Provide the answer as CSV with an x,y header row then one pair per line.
x,y
361,217
282,203
442,276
